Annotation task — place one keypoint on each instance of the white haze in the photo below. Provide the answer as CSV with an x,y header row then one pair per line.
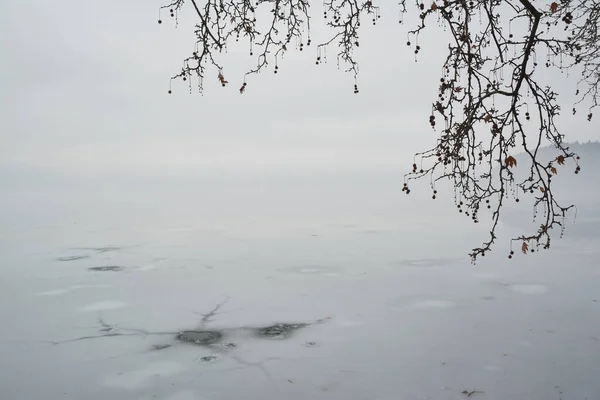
x,y
285,204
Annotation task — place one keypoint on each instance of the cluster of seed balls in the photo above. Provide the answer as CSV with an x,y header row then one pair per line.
x,y
472,215
172,15
512,253
432,120
417,47
567,18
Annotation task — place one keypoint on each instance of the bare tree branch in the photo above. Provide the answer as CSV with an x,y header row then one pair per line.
x,y
492,101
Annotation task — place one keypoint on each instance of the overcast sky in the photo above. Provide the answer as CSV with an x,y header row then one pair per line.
x,y
84,91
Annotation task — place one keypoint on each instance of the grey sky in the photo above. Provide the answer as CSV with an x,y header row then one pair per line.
x,y
84,91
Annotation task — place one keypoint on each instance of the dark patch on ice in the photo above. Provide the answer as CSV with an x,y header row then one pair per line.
x,y
230,345
426,262
106,249
100,249
158,347
204,338
471,393
310,344
73,258
488,298
372,232
114,268
208,358
279,331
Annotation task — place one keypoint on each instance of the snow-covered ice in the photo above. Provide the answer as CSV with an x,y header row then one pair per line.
x,y
104,305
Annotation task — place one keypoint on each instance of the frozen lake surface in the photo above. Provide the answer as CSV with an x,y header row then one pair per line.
x,y
353,306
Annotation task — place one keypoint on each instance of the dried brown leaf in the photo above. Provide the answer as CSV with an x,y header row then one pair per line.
x,y
510,162
524,247
221,79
